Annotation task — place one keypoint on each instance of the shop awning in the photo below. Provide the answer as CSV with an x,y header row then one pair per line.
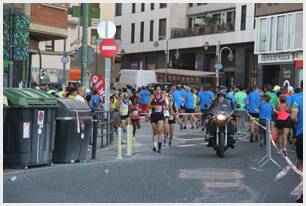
x,y
186,72
299,64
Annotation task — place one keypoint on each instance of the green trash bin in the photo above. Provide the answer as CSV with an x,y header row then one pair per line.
x,y
29,127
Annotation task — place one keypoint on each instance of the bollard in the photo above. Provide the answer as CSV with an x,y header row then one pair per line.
x,y
119,148
131,139
94,142
128,141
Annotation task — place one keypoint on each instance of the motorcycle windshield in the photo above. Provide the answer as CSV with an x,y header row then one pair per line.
x,y
223,107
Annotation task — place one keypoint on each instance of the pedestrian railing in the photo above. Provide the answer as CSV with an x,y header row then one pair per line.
x,y
103,128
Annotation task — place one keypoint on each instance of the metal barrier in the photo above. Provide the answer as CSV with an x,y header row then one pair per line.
x,y
103,128
242,125
270,140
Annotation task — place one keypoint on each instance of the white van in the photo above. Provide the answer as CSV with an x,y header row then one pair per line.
x,y
135,78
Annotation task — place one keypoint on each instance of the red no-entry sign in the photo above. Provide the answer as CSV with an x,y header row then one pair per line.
x,y
108,48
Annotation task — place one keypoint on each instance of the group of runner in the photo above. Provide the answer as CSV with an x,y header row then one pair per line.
x,y
181,104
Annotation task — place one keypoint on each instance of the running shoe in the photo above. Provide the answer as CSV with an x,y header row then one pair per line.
x,y
154,149
285,152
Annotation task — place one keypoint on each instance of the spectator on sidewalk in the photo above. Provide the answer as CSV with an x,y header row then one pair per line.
x,y
80,95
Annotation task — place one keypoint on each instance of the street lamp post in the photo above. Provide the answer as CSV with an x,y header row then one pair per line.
x,y
156,44
218,54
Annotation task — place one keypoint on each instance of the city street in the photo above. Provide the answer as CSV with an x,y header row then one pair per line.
x,y
189,172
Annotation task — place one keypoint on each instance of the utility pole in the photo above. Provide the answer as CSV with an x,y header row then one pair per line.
x,y
64,64
219,62
11,47
84,65
167,59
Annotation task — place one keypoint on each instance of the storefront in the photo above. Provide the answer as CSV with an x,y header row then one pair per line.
x,y
279,67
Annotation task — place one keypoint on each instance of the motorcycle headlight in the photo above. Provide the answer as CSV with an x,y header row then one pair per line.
x,y
221,117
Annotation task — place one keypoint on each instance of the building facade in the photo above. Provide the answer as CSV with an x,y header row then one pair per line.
x,y
46,22
150,31
279,43
54,50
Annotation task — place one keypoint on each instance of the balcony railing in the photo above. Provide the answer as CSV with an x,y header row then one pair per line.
x,y
201,30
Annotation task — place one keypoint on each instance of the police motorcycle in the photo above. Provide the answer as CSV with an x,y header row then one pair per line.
x,y
221,126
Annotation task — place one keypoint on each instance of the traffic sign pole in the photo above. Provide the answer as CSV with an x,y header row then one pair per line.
x,y
84,76
107,77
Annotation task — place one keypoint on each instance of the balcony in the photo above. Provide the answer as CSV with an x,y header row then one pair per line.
x,y
201,30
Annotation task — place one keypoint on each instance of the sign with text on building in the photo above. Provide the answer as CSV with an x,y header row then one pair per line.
x,y
275,58
98,83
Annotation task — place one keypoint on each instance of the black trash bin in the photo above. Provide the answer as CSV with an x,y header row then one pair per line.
x,y
29,127
73,131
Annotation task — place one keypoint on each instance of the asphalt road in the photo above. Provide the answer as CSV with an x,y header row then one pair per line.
x,y
188,173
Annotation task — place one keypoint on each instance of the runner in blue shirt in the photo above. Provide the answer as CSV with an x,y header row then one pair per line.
x,y
189,107
145,96
252,101
177,97
205,98
265,109
297,116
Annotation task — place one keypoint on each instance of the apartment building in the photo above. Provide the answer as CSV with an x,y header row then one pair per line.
x,y
54,50
189,33
279,43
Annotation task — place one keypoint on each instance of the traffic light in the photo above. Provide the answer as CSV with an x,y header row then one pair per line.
x,y
42,74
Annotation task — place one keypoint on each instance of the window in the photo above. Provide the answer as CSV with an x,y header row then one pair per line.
x,y
258,5
263,37
141,31
118,32
162,6
94,36
133,33
269,4
189,22
272,33
49,45
95,5
243,17
280,33
190,4
216,19
230,17
298,37
162,28
199,4
118,9
152,6
133,8
151,29
142,7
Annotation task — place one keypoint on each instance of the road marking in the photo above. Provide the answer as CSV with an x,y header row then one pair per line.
x,y
190,139
192,145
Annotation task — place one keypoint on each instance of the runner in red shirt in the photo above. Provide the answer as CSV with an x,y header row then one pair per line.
x,y
135,117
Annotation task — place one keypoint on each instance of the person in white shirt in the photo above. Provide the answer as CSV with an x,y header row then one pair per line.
x,y
81,93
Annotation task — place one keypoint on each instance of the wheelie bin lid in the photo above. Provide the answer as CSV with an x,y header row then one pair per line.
x,y
5,102
28,97
73,104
